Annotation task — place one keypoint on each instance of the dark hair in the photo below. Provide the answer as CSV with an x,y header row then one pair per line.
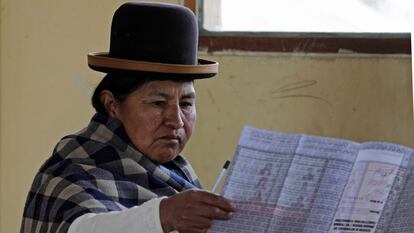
x,y
119,85
123,84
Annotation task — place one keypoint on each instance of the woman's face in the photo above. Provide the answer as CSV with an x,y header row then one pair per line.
x,y
159,118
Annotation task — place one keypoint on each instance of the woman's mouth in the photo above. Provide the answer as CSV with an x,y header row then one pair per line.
x,y
171,138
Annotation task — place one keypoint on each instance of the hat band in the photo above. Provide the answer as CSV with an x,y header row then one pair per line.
x,y
102,59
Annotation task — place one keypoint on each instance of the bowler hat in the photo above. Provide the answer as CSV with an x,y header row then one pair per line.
x,y
153,39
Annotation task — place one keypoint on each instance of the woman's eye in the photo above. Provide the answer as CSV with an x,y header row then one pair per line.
x,y
186,104
158,103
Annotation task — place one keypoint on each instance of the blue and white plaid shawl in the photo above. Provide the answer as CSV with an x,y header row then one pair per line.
x,y
98,170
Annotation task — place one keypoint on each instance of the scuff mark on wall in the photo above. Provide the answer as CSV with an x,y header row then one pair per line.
x,y
291,89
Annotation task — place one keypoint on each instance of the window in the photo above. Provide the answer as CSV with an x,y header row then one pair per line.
x,y
349,16
322,26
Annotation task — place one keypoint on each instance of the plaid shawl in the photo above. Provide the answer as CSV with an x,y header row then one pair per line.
x,y
98,170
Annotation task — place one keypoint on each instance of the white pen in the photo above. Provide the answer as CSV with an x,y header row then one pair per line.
x,y
220,177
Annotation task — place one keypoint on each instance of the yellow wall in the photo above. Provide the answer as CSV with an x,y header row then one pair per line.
x,y
358,97
45,86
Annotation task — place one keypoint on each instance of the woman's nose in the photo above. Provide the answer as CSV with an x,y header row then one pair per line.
x,y
174,117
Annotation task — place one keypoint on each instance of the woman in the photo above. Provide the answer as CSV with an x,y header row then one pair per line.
x,y
123,172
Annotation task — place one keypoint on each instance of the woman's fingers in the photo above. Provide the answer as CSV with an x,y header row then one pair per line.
x,y
218,201
213,212
194,210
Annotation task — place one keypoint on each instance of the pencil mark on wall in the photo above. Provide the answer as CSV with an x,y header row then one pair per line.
x,y
290,90
211,97
303,96
296,85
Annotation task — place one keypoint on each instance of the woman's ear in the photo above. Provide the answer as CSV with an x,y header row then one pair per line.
x,y
109,102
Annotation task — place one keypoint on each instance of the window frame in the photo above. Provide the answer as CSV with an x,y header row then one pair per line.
x,y
368,43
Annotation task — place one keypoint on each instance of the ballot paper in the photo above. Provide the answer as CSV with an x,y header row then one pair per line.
x,y
299,183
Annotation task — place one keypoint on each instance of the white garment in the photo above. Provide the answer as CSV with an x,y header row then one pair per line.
x,y
139,219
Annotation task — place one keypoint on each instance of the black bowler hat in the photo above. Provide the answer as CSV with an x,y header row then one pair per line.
x,y
154,39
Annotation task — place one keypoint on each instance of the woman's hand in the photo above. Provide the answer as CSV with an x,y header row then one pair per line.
x,y
193,211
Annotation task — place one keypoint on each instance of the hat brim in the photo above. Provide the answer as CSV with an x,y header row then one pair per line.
x,y
102,62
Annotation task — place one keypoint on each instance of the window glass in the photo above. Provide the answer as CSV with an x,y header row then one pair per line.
x,y
360,16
